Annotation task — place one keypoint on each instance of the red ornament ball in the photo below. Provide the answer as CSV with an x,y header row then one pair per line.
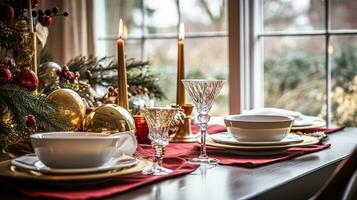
x,y
28,79
31,121
6,12
47,20
5,75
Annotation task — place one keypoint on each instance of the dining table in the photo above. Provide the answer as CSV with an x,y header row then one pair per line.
x,y
295,178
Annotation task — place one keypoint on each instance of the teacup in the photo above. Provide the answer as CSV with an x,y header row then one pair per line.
x,y
64,150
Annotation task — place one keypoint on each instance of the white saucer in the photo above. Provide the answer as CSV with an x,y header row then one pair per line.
x,y
32,163
226,138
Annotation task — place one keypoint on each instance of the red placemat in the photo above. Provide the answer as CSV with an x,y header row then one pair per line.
x,y
115,186
192,150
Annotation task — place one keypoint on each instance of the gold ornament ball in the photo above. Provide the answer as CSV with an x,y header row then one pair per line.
x,y
109,118
70,105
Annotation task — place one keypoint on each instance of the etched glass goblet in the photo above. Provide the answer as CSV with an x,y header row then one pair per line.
x,y
158,120
203,93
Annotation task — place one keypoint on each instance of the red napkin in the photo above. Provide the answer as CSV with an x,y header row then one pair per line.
x,y
117,185
192,150
211,129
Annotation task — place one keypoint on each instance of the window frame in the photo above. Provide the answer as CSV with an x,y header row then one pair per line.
x,y
144,37
257,33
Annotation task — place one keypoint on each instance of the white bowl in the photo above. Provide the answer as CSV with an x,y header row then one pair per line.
x,y
258,127
64,150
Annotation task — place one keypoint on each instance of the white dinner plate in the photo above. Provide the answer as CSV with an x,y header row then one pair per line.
x,y
31,162
307,140
226,138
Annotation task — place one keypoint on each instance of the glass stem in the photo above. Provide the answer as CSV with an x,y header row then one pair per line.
x,y
203,130
159,152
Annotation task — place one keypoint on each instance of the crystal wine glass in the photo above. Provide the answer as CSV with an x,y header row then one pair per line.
x,y
158,120
203,93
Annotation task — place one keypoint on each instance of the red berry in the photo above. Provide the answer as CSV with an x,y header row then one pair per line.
x,y
5,75
55,10
31,121
65,74
28,79
71,76
34,3
40,12
48,12
88,74
65,68
6,12
46,21
40,18
34,13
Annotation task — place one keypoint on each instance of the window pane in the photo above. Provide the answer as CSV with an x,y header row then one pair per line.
x,y
201,61
204,15
128,10
292,15
343,14
294,73
109,48
344,84
161,16
208,58
163,56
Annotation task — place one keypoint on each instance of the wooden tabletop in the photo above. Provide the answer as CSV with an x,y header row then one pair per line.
x,y
296,178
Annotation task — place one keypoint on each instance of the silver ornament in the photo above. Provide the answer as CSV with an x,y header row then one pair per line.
x,y
48,73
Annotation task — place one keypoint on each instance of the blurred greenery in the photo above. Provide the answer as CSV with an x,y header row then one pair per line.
x,y
296,83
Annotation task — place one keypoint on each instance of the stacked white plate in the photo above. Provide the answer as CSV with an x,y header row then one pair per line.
x,y
226,141
31,163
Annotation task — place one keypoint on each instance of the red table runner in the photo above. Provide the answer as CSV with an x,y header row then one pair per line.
x,y
115,186
191,150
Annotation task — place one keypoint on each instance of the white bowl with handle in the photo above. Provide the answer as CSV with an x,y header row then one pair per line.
x,y
69,150
258,127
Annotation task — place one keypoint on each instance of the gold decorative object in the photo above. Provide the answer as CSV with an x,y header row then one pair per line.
x,y
70,105
48,72
184,132
109,118
6,116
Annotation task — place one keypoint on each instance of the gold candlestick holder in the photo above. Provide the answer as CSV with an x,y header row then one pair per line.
x,y
184,132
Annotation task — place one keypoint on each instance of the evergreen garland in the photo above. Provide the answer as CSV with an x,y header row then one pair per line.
x,y
104,72
21,103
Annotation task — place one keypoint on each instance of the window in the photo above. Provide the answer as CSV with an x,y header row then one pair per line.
x,y
305,51
153,28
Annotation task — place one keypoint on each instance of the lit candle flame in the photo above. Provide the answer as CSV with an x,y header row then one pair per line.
x,y
182,31
120,28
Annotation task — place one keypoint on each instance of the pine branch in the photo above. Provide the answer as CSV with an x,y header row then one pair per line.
x,y
104,72
22,103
